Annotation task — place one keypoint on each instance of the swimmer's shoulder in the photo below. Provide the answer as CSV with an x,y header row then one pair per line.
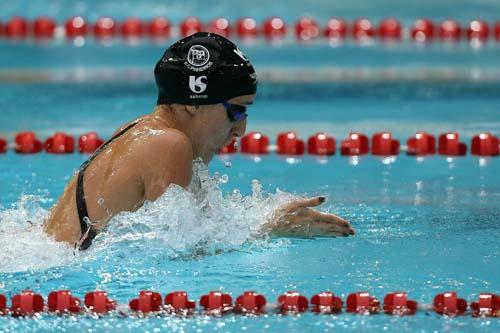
x,y
166,139
150,138
164,156
162,144
156,136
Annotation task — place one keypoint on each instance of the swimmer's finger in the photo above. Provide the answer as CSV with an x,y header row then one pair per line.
x,y
327,229
331,218
305,203
335,220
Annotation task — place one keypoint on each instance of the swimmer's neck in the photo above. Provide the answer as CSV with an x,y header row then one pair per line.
x,y
176,117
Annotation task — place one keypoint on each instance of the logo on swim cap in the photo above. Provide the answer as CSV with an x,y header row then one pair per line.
x,y
196,84
198,55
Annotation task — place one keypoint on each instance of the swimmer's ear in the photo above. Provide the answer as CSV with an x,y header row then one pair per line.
x,y
192,109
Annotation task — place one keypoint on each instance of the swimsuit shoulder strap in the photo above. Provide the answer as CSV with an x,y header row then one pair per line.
x,y
88,233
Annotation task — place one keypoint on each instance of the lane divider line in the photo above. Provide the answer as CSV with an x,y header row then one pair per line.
x,y
288,144
28,304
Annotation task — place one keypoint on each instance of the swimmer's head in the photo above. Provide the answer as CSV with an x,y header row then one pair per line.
x,y
202,69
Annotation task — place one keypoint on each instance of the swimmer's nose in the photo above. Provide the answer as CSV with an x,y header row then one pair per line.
x,y
239,128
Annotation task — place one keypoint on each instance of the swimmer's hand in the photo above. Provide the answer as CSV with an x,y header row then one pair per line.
x,y
297,219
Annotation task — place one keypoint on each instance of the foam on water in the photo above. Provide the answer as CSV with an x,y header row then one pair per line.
x,y
199,220
188,222
23,243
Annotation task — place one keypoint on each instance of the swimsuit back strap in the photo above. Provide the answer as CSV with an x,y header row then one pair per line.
x,y
89,233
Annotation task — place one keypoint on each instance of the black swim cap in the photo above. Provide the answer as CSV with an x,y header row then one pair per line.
x,y
204,68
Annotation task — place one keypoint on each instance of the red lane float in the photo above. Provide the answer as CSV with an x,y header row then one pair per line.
x,y
321,144
488,305
336,29
362,303
448,304
289,144
216,302
189,26
250,303
148,301
16,27
384,145
179,302
479,30
390,28
355,144
27,303
450,145
104,28
362,29
3,146
62,301
220,26
274,28
326,302
3,305
132,27
89,142
292,301
485,144
159,27
398,304
497,31
246,28
27,143
450,30
60,143
421,144
254,143
75,27
230,148
422,30
98,302
44,27
306,29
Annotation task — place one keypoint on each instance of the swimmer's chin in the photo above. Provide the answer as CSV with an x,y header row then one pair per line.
x,y
206,158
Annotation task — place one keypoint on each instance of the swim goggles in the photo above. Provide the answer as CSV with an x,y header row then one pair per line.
x,y
235,112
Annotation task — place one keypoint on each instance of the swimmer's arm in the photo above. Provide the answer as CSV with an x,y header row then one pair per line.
x,y
167,159
297,219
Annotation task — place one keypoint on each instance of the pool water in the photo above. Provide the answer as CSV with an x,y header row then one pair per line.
x,y
423,225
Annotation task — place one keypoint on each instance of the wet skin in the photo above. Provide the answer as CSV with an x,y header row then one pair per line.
x,y
159,151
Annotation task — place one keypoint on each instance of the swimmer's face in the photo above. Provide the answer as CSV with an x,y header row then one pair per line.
x,y
218,129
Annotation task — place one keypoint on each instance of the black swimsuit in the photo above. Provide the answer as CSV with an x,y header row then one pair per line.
x,y
89,233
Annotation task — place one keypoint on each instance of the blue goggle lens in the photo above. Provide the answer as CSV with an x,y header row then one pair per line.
x,y
235,112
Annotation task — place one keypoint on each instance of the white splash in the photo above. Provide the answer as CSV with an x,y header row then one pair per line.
x,y
23,243
193,221
199,219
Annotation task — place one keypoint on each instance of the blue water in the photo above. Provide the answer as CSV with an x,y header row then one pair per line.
x,y
423,225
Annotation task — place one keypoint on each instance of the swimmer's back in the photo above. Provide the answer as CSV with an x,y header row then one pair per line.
x,y
135,167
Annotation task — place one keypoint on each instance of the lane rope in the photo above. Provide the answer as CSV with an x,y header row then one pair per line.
x,y
28,303
335,30
287,143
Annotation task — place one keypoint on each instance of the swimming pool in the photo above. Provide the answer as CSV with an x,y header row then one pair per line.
x,y
425,226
